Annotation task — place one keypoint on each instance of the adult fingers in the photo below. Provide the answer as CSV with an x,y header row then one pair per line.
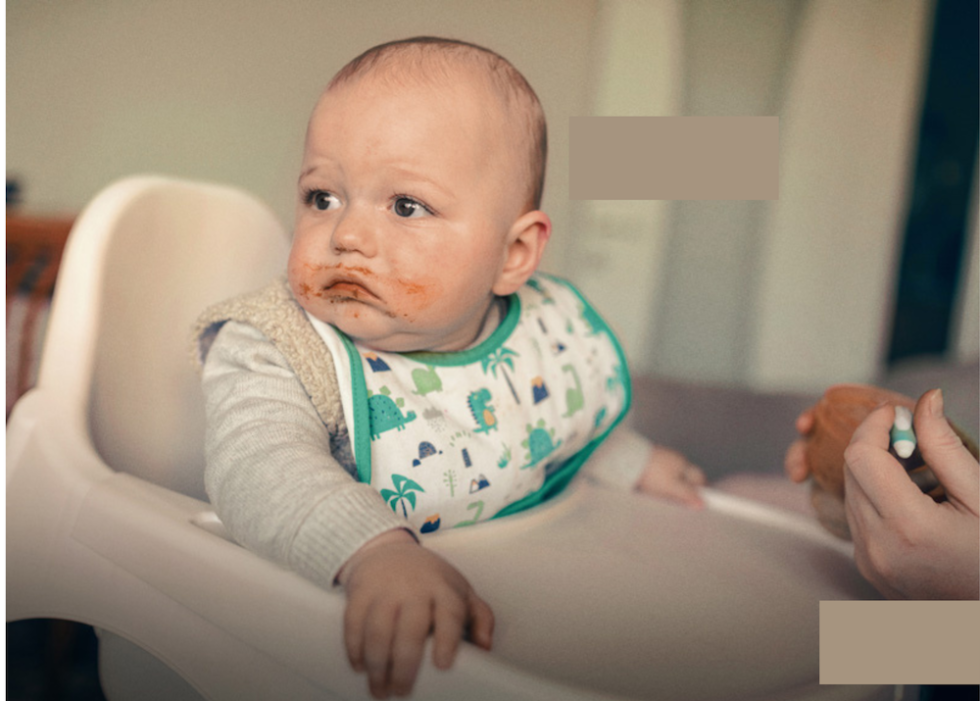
x,y
804,422
868,531
875,428
860,511
795,461
408,647
881,477
945,453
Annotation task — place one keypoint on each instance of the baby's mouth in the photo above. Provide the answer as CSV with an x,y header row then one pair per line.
x,y
345,289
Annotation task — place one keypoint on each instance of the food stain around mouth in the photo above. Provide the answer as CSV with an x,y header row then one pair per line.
x,y
418,295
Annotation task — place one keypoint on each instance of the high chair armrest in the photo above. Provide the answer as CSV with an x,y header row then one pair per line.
x,y
151,533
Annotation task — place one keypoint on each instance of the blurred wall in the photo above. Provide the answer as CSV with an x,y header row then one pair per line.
x,y
221,90
789,294
848,135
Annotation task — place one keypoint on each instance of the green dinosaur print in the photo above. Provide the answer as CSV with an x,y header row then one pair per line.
x,y
478,505
479,403
384,413
504,458
426,380
539,444
574,398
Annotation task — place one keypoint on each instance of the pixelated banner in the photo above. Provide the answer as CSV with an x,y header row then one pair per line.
x,y
900,642
674,158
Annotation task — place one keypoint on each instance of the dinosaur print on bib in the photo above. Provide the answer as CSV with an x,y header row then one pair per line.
x,y
451,439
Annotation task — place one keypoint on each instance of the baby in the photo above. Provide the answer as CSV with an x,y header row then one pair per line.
x,y
413,373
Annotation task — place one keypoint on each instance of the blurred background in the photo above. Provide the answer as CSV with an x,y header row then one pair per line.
x,y
789,294
867,262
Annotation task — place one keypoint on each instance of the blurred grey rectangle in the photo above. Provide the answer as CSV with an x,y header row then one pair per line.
x,y
899,642
674,158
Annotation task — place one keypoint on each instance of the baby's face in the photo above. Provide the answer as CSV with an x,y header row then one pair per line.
x,y
406,196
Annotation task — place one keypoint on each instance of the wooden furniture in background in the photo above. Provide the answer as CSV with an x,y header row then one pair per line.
x,y
34,248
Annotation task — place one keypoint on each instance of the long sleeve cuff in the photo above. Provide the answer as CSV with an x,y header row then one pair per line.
x,y
620,460
336,528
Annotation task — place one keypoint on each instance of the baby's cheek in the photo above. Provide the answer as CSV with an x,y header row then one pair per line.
x,y
414,297
299,281
301,277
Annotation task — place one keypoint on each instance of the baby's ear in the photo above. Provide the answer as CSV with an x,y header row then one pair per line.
x,y
525,245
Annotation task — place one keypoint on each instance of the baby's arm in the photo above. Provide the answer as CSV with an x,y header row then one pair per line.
x,y
627,460
271,475
275,484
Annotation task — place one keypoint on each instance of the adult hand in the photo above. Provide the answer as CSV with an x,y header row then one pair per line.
x,y
907,545
397,592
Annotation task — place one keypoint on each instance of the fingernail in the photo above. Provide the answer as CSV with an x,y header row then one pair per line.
x,y
936,404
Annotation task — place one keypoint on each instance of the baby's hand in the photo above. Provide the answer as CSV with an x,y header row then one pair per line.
x,y
397,592
795,461
668,474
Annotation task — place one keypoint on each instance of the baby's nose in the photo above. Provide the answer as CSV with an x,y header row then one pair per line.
x,y
354,233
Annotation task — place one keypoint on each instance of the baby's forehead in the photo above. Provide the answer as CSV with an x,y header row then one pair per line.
x,y
456,91
427,73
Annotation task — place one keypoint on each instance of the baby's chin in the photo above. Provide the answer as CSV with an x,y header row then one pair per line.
x,y
381,329
369,328
402,340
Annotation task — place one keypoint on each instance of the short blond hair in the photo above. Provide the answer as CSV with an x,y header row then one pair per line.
x,y
517,95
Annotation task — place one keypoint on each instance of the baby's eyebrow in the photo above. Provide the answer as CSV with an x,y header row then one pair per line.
x,y
412,174
307,171
320,164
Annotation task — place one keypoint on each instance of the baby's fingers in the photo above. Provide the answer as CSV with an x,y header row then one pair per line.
x,y
408,647
354,616
450,620
481,622
681,482
379,632
684,491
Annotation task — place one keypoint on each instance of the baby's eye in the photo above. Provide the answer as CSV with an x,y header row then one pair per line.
x,y
407,207
321,200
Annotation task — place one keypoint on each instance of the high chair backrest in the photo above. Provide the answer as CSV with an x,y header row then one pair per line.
x,y
144,259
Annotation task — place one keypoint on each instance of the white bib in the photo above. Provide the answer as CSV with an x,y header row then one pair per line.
x,y
450,439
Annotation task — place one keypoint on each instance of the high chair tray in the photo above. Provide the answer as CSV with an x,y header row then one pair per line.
x,y
644,599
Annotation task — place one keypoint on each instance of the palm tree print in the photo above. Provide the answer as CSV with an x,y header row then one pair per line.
x,y
499,359
404,491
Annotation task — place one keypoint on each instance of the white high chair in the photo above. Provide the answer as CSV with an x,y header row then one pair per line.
x,y
598,594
